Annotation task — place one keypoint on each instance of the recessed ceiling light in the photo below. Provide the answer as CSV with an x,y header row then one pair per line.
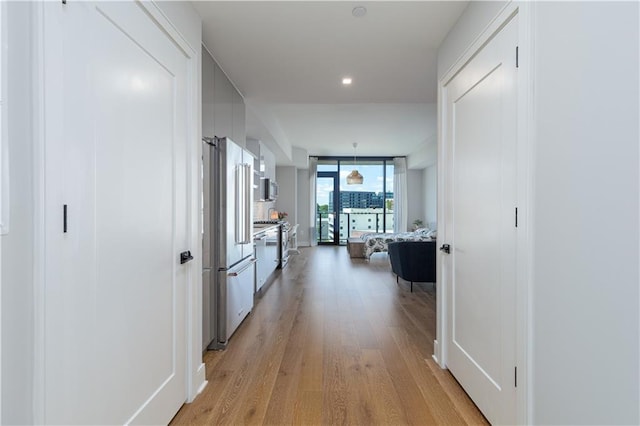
x,y
346,81
359,11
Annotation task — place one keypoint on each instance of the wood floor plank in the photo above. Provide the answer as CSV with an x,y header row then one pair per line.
x,y
334,379
308,408
282,402
199,412
360,407
332,340
253,408
312,355
437,399
383,394
465,407
415,407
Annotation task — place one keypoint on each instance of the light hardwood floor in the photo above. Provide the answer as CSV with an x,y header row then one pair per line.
x,y
331,341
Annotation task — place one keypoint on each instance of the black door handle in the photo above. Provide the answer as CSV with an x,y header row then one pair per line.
x,y
446,248
185,257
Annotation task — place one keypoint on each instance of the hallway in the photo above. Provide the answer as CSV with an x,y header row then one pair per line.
x,y
333,340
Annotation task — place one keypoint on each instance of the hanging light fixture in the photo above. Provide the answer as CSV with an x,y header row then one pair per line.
x,y
354,178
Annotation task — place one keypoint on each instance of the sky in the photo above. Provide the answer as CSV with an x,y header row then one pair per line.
x,y
372,175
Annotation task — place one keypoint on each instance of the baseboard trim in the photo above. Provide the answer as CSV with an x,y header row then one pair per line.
x,y
436,353
200,381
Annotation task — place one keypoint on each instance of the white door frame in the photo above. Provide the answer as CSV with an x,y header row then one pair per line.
x,y
195,368
525,156
4,187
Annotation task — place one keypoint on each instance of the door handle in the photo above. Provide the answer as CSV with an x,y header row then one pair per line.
x,y
185,257
446,248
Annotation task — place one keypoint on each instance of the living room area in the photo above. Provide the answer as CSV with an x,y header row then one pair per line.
x,y
388,200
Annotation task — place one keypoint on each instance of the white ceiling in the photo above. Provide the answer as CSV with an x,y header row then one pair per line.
x,y
288,58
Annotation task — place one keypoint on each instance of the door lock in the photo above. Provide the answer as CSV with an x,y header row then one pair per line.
x,y
446,248
185,257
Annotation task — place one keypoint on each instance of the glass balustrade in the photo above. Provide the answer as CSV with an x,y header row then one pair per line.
x,y
352,225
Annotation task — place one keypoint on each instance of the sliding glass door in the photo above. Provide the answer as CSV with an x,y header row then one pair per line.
x,y
346,210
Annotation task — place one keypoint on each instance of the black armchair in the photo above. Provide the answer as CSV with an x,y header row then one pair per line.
x,y
413,260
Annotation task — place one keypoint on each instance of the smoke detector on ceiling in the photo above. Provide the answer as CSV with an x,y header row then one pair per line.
x,y
359,11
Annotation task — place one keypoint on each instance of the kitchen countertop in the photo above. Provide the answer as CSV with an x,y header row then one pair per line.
x,y
262,227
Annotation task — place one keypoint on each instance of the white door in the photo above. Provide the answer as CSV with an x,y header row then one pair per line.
x,y
116,156
481,151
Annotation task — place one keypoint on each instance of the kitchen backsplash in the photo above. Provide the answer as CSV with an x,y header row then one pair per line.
x,y
261,209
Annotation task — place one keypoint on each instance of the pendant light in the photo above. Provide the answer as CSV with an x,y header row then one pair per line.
x,y
354,178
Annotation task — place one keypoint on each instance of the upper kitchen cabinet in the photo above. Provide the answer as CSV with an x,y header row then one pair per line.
x,y
264,171
208,90
223,109
223,104
269,162
266,160
239,133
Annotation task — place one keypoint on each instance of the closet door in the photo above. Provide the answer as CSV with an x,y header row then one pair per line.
x,y
481,228
116,220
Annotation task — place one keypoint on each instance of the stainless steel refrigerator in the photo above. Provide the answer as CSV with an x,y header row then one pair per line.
x,y
228,264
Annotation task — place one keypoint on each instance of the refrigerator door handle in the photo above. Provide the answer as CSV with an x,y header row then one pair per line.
x,y
248,191
243,203
239,199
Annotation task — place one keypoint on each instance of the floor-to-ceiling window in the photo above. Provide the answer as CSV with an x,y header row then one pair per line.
x,y
349,210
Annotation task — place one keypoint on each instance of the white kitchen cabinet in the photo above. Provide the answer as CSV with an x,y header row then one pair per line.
x,y
269,159
223,95
208,94
264,166
253,146
272,255
239,133
266,163
266,264
223,109
261,260
267,254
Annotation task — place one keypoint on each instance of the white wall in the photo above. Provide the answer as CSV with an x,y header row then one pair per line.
x,y
584,289
426,156
430,204
287,178
17,247
415,199
585,292
303,208
262,209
